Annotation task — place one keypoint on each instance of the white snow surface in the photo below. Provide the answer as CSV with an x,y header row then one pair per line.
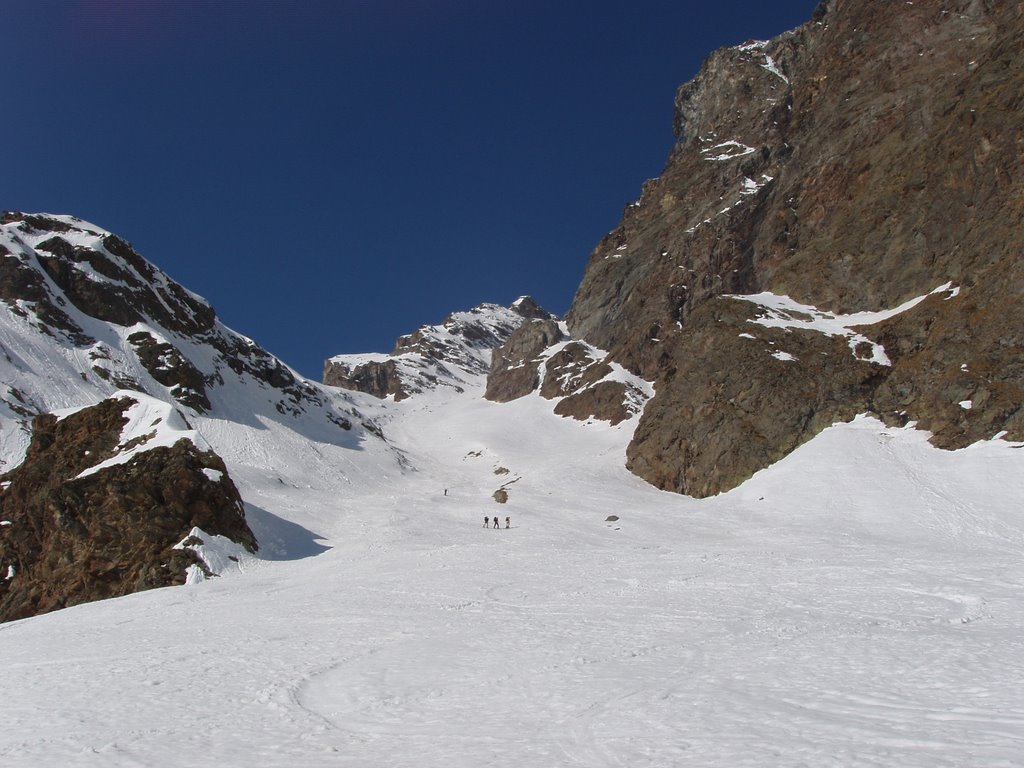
x,y
727,150
151,423
218,553
856,604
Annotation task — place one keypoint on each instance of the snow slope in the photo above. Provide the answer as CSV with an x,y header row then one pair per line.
x,y
855,605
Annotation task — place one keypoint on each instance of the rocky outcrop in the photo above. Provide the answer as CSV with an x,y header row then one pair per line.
x,y
709,423
73,531
108,280
574,367
537,357
528,308
168,366
375,377
858,162
515,364
959,361
587,387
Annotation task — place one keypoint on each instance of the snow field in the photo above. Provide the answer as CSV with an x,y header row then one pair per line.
x,y
857,604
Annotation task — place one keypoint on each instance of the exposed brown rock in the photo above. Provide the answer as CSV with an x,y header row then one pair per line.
x,y
515,365
860,161
377,378
573,375
739,404
606,401
74,539
527,306
939,362
576,374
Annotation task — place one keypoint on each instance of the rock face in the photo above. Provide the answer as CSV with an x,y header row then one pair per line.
x,y
865,159
538,358
588,387
71,535
515,365
379,378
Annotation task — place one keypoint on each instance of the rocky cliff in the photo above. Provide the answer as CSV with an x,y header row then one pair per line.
x,y
99,509
867,166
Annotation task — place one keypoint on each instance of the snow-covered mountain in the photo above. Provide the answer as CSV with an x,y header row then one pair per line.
x,y
855,604
455,566
84,316
85,321
450,354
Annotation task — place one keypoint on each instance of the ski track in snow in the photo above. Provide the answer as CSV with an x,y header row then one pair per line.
x,y
857,604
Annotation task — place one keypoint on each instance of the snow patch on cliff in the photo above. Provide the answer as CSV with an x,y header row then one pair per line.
x,y
783,312
151,424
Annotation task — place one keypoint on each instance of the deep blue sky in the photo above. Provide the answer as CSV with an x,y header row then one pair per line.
x,y
333,174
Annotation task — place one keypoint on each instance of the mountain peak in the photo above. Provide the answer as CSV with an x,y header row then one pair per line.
x,y
89,316
453,355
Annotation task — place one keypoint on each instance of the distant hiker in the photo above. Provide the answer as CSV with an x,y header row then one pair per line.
x,y
487,522
445,491
496,525
508,523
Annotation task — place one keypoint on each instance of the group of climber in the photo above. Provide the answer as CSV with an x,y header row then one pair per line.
x,y
487,522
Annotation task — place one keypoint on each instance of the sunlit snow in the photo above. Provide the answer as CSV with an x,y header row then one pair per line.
x,y
856,604
151,423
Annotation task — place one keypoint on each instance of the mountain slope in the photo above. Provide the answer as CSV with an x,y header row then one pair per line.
x,y
855,604
86,322
84,315
446,355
